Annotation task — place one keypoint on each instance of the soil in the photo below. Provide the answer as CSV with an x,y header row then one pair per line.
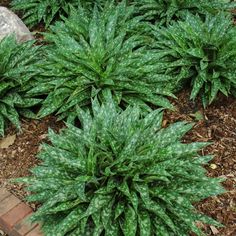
x,y
4,3
19,158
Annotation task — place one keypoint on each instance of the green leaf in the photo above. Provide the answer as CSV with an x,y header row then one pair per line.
x,y
144,224
196,52
130,222
1,125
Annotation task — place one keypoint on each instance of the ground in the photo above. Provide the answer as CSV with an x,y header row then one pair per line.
x,y
4,3
218,126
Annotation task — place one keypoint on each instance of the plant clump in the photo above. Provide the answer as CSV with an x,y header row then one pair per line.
x,y
16,72
202,52
47,11
163,12
120,173
91,56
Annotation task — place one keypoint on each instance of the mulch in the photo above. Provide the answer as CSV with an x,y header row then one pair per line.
x,y
4,3
19,158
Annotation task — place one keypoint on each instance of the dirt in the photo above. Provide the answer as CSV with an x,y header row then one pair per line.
x,y
4,3
17,159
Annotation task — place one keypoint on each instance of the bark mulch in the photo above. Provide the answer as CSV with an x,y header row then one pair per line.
x,y
4,3
19,158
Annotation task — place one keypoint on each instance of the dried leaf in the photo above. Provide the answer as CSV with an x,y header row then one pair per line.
x,y
214,230
8,141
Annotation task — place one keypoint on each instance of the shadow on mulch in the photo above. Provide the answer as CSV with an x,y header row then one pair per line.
x,y
4,3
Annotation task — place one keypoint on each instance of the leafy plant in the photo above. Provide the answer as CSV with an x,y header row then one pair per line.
x,y
15,74
36,11
165,11
120,174
201,52
93,56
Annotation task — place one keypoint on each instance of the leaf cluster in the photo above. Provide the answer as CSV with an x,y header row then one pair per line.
x,y
97,55
203,52
163,12
46,11
15,74
120,174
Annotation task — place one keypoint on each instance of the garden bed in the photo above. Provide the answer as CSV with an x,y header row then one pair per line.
x,y
216,124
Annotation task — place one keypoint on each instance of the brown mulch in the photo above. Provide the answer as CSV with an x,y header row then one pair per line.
x,y
17,159
4,3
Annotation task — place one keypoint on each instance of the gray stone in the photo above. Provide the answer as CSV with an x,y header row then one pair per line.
x,y
10,23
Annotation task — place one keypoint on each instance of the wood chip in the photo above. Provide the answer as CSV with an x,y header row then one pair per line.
x,y
214,230
213,166
8,141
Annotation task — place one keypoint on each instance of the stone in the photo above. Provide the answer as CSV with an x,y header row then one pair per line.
x,y
23,227
4,194
15,215
7,204
10,23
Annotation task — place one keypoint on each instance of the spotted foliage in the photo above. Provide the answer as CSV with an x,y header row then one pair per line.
x,y
46,11
120,174
15,73
164,12
203,52
93,56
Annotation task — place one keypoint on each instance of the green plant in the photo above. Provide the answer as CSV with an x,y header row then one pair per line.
x,y
203,52
166,11
37,11
15,74
92,56
120,174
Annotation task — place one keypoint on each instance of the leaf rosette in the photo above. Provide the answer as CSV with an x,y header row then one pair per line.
x,y
202,53
91,56
121,173
47,11
163,12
